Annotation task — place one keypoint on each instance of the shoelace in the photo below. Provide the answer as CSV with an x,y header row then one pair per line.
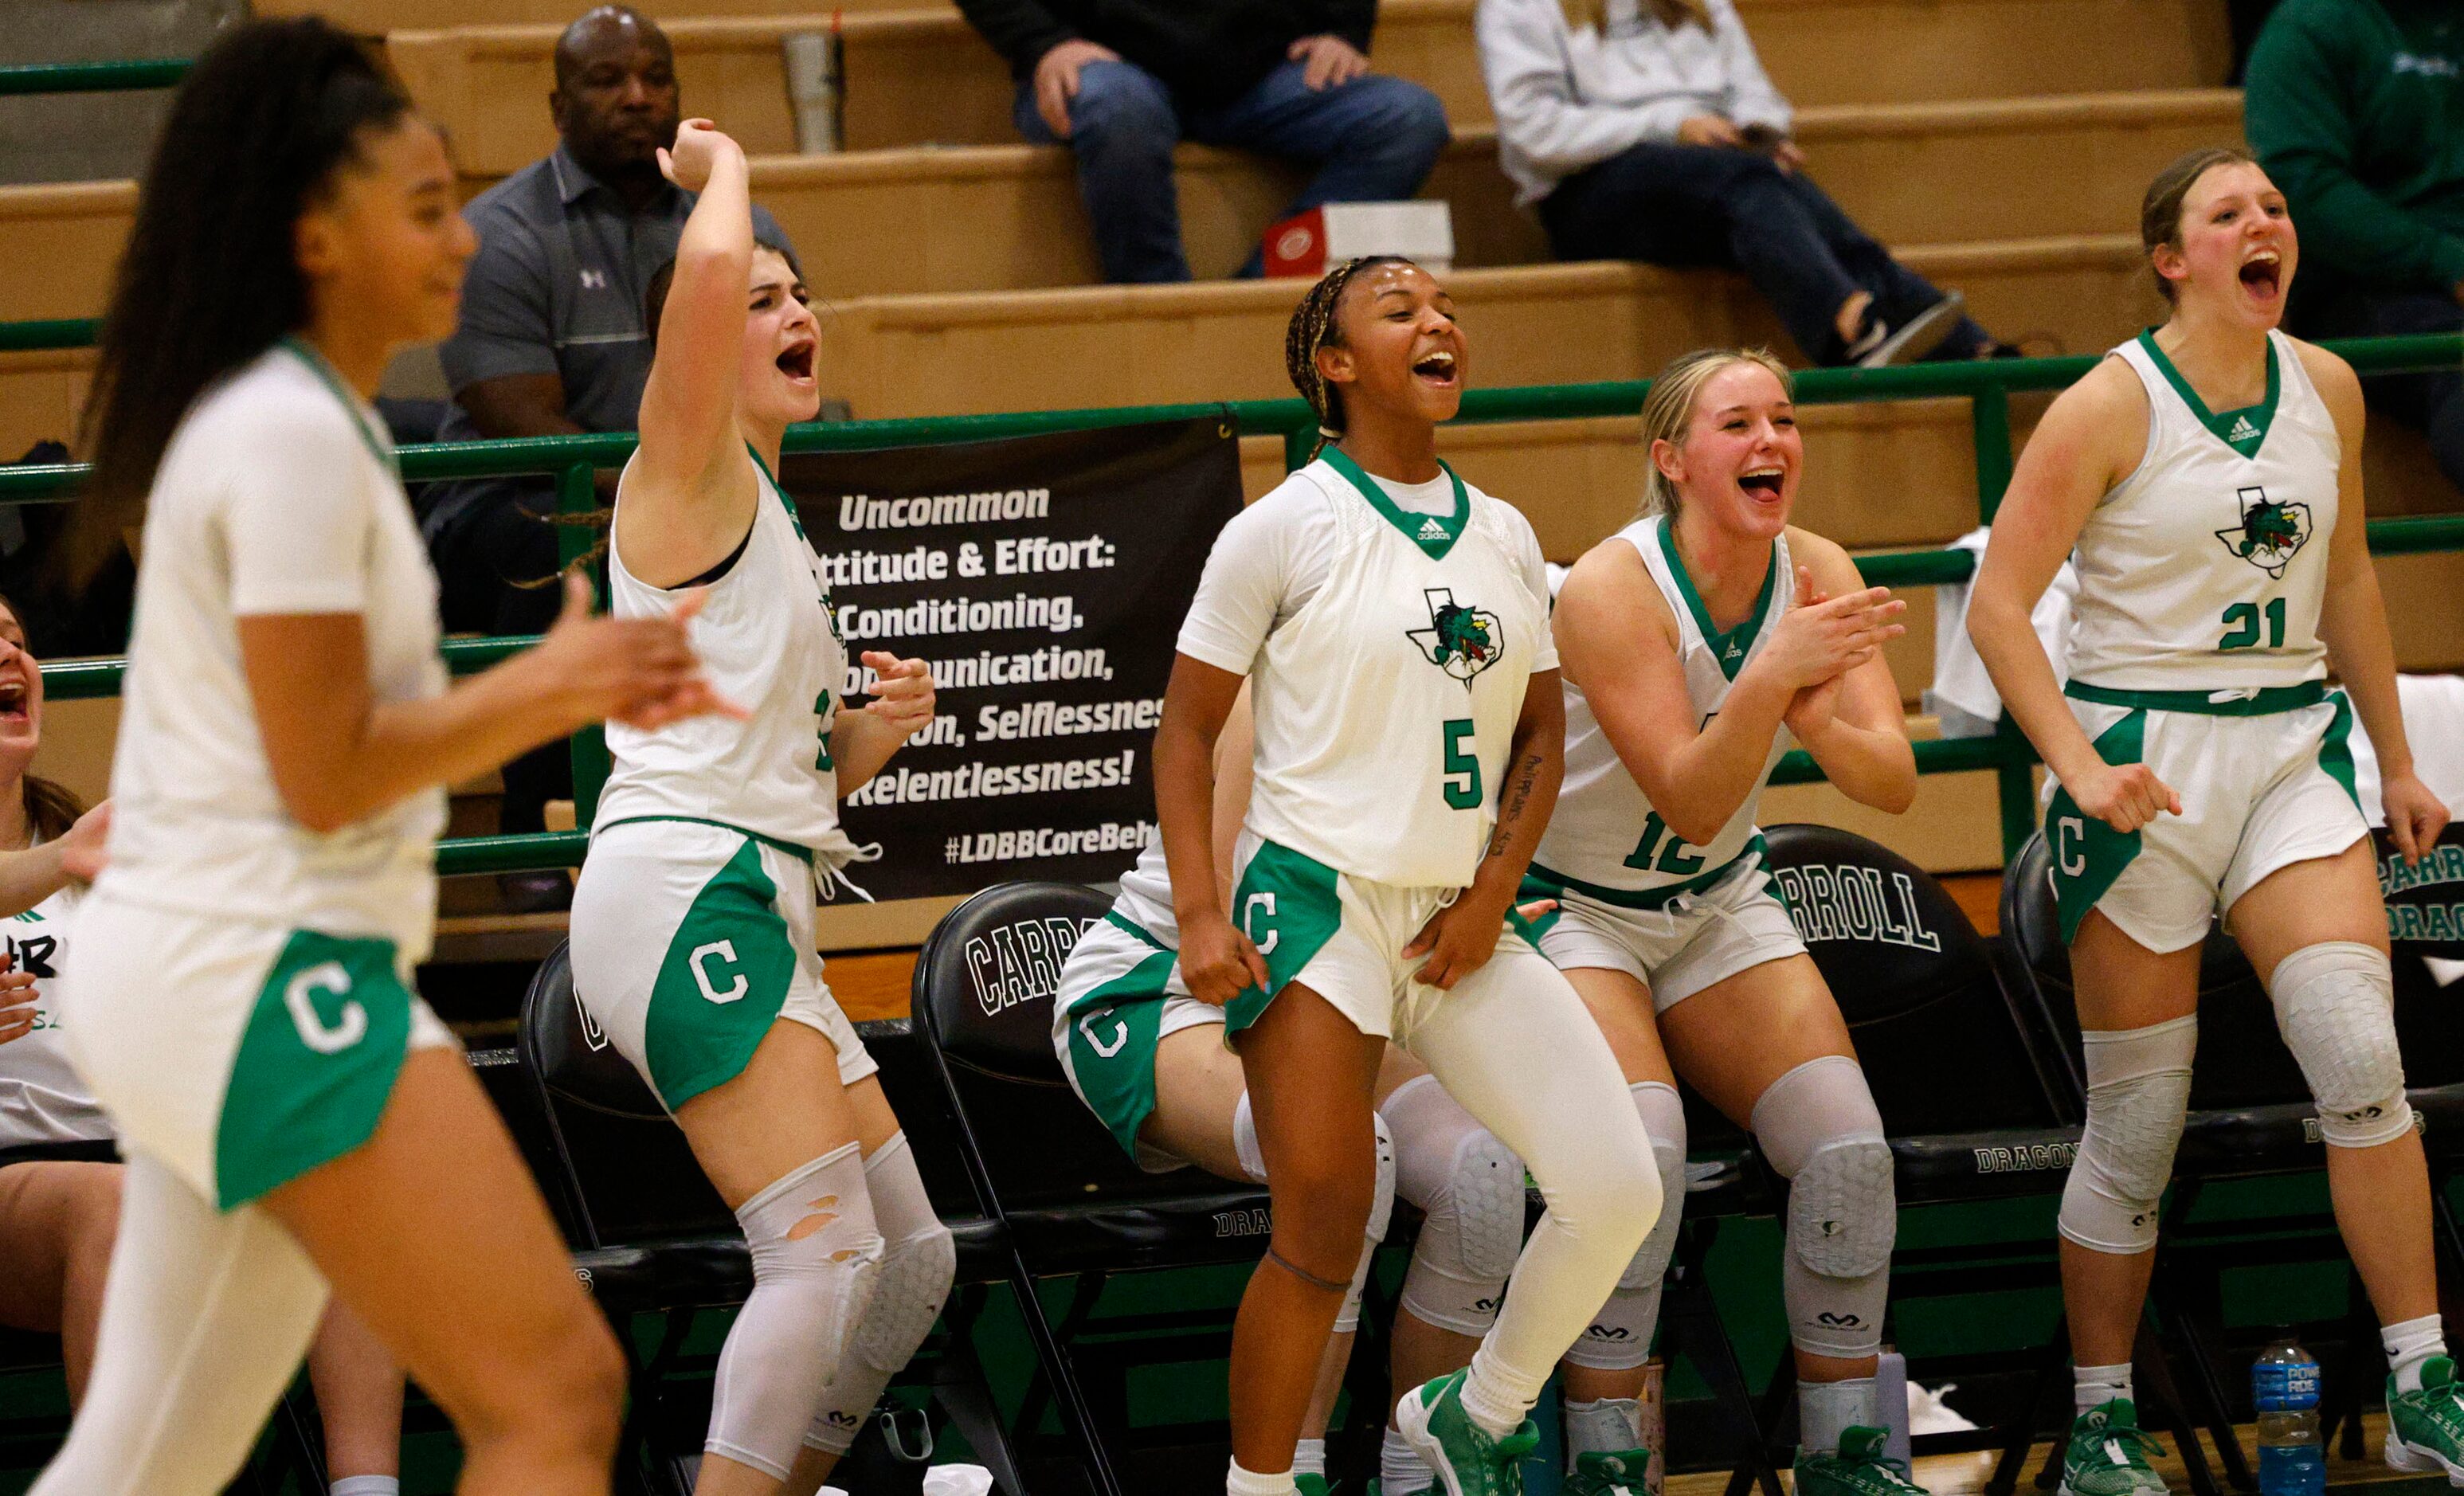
x,y
2122,1442
2447,1410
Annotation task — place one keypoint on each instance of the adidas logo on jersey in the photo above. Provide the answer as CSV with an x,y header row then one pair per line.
x,y
2242,431
1431,530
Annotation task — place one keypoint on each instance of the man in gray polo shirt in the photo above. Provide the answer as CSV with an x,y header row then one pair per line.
x,y
551,340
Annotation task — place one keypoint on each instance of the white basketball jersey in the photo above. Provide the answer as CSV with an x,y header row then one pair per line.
x,y
767,642
42,1097
2205,569
1386,705
1604,833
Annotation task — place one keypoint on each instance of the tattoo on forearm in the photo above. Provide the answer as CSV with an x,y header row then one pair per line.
x,y
1521,781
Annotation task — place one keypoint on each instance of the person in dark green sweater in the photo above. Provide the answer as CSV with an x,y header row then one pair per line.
x,y
2356,108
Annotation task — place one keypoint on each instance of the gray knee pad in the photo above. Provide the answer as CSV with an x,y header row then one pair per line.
x,y
912,1282
815,1255
1618,1337
1469,1189
1818,1125
2335,1003
2137,1093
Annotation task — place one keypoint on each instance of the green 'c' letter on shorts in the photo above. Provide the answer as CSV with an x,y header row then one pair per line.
x,y
2087,854
316,1065
721,983
1113,1033
1290,905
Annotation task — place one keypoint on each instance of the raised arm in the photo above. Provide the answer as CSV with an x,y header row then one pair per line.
x,y
2353,622
1617,640
2090,440
691,488
1853,724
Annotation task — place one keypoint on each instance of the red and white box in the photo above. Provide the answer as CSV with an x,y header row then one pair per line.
x,y
1306,244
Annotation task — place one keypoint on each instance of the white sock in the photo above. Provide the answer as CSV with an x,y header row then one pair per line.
x,y
1238,1481
1496,1417
1400,1469
2091,1385
1609,1427
2408,1343
1824,1409
1308,1457
366,1486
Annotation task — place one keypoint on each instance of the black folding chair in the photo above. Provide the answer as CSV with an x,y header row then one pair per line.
x,y
649,1236
1972,1099
1045,1169
2250,1114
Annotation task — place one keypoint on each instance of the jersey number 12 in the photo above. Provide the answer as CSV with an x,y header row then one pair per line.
x,y
1678,856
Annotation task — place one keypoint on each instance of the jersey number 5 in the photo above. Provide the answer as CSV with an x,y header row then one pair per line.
x,y
1678,856
1462,769
2242,619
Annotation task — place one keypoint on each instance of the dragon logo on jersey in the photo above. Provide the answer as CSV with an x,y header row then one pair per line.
x,y
1461,641
2269,534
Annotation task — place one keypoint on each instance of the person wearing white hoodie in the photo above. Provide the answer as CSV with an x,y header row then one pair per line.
x,y
1648,130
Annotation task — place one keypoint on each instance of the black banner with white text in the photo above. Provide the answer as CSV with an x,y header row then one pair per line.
x,y
1045,579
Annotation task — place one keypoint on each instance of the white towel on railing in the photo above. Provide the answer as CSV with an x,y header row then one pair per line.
x,y
1962,694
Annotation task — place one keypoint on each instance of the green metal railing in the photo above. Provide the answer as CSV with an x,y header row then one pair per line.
x,y
575,460
93,78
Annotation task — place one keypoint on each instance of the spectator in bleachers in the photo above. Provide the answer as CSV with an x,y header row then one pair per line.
x,y
1122,82
551,343
1648,130
2357,111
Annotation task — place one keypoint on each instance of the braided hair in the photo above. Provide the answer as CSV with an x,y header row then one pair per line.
x,y
1313,327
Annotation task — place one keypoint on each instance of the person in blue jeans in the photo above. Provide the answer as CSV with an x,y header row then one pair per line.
x,y
1123,81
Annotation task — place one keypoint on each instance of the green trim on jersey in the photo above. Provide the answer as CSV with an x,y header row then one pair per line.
x,y
1113,917
1728,649
721,983
1435,534
802,854
2244,429
1546,883
777,491
2269,699
1290,905
2336,749
2087,854
316,1065
1116,1071
355,407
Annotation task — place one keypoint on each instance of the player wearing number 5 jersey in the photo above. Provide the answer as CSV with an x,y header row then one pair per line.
x,y
1393,625
239,994
2209,475
693,921
1692,639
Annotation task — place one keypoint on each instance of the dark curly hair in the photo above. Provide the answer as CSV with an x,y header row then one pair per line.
x,y
1313,327
210,279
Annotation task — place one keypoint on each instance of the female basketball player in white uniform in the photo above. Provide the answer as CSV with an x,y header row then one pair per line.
x,y
239,994
1390,620
693,921
1690,639
2209,475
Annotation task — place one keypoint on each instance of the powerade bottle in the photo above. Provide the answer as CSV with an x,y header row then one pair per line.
x,y
2285,1390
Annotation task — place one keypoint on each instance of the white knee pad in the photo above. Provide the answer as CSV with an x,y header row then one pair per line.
x,y
1818,1125
2138,1092
815,1256
918,1267
1381,1214
1618,1337
1469,1189
2335,1003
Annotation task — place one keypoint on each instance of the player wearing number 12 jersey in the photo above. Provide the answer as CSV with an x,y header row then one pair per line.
x,y
693,921
2209,477
1692,639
